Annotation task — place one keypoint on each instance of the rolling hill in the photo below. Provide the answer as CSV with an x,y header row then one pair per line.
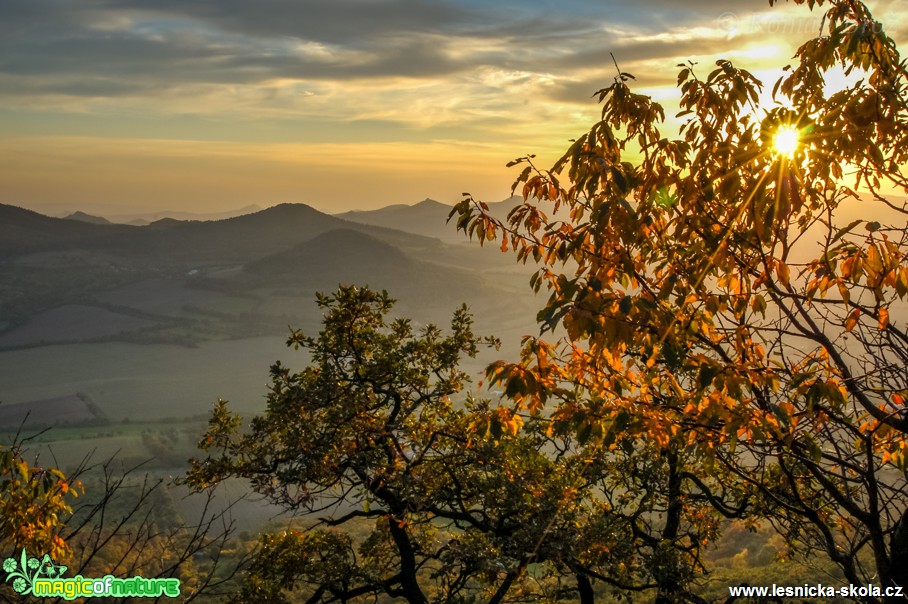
x,y
346,256
337,255
149,217
190,281
168,240
25,231
90,218
428,218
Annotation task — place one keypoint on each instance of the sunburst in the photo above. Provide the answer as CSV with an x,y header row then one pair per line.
x,y
786,141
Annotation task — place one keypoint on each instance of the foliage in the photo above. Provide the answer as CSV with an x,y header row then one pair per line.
x,y
714,293
760,558
428,498
123,524
34,503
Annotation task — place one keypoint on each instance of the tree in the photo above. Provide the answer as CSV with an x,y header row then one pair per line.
x,y
33,502
418,491
715,295
99,519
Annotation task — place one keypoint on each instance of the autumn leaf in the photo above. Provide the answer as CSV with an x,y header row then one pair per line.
x,y
852,319
883,317
783,273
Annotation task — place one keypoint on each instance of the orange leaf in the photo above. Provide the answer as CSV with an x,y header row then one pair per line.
x,y
883,315
852,319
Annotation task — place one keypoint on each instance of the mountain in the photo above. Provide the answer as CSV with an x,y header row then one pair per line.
x,y
348,255
175,280
340,255
425,290
169,241
428,218
251,236
27,231
231,240
425,218
149,217
83,217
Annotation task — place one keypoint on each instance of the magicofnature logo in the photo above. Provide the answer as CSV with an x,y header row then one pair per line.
x,y
43,578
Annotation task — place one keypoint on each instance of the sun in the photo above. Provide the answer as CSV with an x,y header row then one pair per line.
x,y
786,140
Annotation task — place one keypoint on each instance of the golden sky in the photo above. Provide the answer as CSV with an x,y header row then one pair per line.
x,y
124,106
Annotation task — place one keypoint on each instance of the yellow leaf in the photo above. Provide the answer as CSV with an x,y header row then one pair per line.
x,y
844,292
783,273
652,359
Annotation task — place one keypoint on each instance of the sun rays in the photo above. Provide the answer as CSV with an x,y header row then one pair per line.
x,y
786,141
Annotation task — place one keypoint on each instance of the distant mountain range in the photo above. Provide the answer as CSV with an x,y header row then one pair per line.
x,y
228,240
83,217
184,281
141,219
25,231
428,217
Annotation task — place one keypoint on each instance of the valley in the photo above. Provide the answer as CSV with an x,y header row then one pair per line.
x,y
154,323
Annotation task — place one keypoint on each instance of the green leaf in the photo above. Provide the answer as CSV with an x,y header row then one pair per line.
x,y
845,230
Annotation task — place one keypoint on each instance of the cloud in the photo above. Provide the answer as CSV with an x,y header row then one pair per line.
x,y
123,48
510,73
501,70
120,47
345,22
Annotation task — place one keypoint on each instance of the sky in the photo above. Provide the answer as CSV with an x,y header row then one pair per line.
x,y
127,106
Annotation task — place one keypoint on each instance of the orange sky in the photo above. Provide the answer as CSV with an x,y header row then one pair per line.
x,y
123,106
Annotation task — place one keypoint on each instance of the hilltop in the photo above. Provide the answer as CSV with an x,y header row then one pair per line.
x,y
83,217
428,217
188,281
